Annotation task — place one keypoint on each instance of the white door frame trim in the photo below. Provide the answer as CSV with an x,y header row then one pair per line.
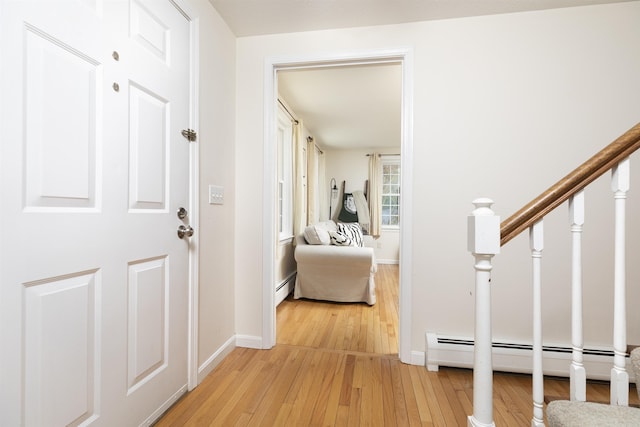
x,y
405,57
194,190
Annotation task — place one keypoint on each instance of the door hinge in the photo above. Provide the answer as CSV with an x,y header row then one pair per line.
x,y
190,134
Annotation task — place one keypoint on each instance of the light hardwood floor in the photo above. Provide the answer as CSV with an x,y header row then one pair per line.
x,y
337,365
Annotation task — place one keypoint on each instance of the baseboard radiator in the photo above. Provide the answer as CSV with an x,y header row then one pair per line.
x,y
285,287
457,352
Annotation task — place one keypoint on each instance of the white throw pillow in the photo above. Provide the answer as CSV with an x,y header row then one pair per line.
x,y
352,231
328,225
316,235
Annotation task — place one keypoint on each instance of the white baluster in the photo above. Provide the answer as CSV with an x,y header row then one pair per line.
x,y
577,372
537,243
483,233
619,375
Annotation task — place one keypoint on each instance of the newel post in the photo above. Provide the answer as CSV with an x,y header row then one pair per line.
x,y
483,233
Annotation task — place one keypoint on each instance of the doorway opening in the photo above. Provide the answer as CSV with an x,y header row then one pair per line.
x,y
400,56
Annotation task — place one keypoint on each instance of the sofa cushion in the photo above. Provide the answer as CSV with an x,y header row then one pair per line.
x,y
352,231
317,234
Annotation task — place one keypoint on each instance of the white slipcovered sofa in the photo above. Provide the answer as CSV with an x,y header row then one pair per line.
x,y
331,272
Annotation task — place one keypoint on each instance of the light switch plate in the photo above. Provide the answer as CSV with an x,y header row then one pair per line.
x,y
216,195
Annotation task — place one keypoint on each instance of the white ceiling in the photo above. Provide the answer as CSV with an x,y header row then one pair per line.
x,y
258,17
356,106
347,107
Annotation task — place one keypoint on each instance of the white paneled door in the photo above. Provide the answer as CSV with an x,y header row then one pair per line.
x,y
93,168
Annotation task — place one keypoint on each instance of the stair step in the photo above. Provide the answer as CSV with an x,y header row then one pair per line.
x,y
549,399
564,413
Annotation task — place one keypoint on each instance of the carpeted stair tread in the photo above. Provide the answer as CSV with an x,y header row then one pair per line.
x,y
634,357
548,399
564,413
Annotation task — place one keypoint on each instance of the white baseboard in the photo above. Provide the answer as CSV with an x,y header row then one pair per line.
x,y
249,341
388,261
215,359
162,409
516,357
245,341
418,358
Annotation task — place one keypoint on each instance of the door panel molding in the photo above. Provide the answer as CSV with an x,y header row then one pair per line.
x,y
148,320
60,140
62,333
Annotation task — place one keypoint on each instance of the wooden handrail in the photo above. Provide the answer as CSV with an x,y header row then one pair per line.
x,y
558,193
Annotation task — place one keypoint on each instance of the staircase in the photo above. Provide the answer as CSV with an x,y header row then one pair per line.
x,y
567,413
486,236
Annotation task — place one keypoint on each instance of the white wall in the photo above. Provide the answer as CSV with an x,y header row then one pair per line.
x,y
352,166
387,247
504,106
215,138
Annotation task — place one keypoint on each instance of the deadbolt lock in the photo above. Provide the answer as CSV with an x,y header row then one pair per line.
x,y
182,213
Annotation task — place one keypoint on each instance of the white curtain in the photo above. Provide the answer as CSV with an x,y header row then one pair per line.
x,y
323,201
375,191
312,182
299,167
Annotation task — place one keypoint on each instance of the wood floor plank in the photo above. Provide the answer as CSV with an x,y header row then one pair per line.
x,y
347,381
216,411
363,334
337,365
399,398
413,412
457,410
505,408
422,403
284,414
342,418
377,386
441,396
333,399
435,395
355,407
269,406
388,402
182,412
312,394
367,402
249,405
319,406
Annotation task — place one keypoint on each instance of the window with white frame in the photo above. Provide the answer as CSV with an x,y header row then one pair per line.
x,y
390,206
285,176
